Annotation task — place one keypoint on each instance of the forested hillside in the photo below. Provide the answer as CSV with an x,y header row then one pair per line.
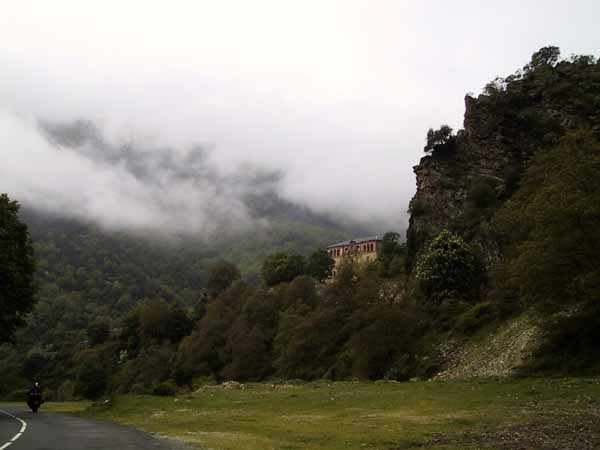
x,y
89,277
504,225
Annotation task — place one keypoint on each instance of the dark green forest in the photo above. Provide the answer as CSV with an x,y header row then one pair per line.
x,y
120,313
88,276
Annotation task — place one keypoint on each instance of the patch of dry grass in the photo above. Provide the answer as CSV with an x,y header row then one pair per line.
x,y
358,416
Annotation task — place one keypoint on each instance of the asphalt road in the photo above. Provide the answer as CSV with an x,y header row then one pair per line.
x,y
51,431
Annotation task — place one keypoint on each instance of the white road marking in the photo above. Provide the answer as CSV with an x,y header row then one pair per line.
x,y
19,434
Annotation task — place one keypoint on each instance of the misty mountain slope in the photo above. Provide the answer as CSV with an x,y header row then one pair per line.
x,y
155,228
111,268
98,262
118,269
88,275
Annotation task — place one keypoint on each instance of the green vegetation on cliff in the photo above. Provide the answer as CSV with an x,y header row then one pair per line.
x,y
520,185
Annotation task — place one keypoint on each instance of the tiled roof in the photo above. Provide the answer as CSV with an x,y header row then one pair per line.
x,y
355,241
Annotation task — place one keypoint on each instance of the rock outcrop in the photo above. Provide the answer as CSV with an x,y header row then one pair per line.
x,y
461,183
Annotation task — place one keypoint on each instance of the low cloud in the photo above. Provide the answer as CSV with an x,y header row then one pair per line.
x,y
73,170
198,114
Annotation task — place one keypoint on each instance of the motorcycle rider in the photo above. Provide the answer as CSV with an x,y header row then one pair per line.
x,y
34,397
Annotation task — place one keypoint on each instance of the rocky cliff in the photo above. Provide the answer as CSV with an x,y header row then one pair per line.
x,y
464,180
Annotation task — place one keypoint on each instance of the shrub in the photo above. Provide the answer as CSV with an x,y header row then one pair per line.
x,y
438,138
20,395
448,267
474,318
482,194
138,389
91,380
165,389
417,208
66,391
570,345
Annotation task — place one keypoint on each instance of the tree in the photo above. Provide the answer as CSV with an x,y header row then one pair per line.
x,y
160,321
392,255
447,267
17,267
221,275
545,56
203,353
320,265
282,268
346,275
550,226
35,363
250,338
301,293
98,332
437,138
495,87
92,378
390,245
382,333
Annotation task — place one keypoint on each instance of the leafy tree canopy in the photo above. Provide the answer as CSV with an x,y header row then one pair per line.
x,y
437,138
545,56
392,255
17,267
282,268
320,265
221,275
160,321
550,226
448,266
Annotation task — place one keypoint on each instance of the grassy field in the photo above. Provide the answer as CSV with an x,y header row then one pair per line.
x,y
476,414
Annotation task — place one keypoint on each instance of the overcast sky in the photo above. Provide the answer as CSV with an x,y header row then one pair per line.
x,y
335,95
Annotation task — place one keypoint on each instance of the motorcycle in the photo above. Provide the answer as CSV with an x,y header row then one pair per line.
x,y
34,401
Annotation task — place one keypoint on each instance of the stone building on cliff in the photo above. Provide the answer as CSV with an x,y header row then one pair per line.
x,y
361,251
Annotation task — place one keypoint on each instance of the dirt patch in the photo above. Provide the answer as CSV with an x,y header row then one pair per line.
x,y
418,419
309,418
580,431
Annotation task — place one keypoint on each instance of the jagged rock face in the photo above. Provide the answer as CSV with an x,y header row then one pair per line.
x,y
462,183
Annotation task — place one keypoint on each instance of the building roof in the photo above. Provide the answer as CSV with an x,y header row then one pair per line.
x,y
355,241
